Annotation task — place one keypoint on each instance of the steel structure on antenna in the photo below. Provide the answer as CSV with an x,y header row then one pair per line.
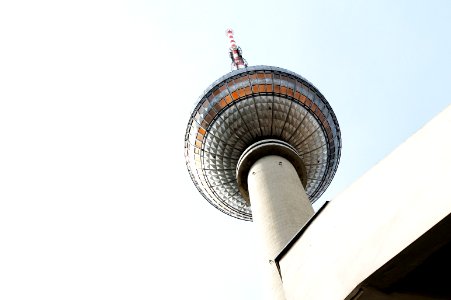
x,y
266,105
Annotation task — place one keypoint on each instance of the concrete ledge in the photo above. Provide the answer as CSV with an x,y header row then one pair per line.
x,y
376,218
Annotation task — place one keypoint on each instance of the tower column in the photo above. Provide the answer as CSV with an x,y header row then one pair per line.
x,y
271,176
280,206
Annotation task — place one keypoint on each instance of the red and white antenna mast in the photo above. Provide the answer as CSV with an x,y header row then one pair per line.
x,y
238,62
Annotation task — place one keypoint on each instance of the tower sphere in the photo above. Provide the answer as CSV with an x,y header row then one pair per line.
x,y
253,104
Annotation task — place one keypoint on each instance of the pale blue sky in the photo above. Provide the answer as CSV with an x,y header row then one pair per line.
x,y
95,199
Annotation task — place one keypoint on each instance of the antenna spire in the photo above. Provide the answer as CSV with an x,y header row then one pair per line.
x,y
238,62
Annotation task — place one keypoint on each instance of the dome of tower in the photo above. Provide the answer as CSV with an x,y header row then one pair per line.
x,y
253,104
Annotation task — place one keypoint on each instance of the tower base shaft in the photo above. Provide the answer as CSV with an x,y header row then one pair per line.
x,y
280,207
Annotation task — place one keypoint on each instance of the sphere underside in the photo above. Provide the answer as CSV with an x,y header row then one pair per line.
x,y
249,105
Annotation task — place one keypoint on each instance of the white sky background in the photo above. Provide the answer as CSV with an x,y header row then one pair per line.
x,y
95,199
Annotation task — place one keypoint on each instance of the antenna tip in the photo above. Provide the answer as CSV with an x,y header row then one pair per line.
x,y
229,31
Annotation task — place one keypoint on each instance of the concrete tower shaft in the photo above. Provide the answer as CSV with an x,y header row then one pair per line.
x,y
280,208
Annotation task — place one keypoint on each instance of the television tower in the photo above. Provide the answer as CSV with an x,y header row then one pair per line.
x,y
263,144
